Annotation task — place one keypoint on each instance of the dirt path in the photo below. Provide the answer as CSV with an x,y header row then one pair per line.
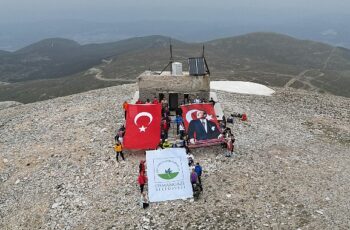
x,y
301,76
99,76
328,58
296,78
98,71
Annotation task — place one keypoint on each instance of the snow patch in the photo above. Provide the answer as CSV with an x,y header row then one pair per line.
x,y
243,87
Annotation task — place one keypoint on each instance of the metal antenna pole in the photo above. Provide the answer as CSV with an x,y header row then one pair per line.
x,y
171,56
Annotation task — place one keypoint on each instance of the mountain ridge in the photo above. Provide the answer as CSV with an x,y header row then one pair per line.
x,y
268,58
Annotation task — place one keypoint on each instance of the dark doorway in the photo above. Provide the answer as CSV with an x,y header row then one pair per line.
x,y
161,97
186,98
173,101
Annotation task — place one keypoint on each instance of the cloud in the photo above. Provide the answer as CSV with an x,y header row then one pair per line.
x,y
330,32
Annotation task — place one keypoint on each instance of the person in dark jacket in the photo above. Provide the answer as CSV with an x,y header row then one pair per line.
x,y
142,167
198,170
178,111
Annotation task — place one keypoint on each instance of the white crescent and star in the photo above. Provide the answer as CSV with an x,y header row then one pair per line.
x,y
209,117
143,114
189,115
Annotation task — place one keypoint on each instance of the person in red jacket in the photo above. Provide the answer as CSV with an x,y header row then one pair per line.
x,y
125,107
142,180
155,101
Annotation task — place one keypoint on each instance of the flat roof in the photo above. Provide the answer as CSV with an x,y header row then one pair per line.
x,y
164,73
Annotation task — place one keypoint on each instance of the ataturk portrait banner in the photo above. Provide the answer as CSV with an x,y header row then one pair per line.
x,y
201,124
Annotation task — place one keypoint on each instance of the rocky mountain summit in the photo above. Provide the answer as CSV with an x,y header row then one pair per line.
x,y
57,166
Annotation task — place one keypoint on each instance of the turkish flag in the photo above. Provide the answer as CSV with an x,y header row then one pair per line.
x,y
142,126
189,112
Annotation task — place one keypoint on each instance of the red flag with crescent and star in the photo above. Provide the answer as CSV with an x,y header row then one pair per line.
x,y
189,112
142,126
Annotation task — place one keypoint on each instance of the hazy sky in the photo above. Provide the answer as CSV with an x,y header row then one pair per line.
x,y
126,10
25,21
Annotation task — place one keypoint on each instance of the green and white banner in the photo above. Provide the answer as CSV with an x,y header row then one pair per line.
x,y
168,175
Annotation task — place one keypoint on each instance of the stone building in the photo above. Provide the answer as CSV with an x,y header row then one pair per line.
x,y
176,85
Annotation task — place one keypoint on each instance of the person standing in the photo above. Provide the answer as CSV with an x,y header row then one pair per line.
x,y
125,107
197,100
138,101
198,170
142,167
194,178
190,157
165,128
142,180
178,110
182,131
155,101
178,121
118,148
144,201
229,147
212,101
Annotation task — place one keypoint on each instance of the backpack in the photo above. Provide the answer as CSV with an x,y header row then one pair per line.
x,y
198,170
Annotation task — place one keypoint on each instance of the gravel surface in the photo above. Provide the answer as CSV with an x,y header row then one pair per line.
x,y
57,166
8,104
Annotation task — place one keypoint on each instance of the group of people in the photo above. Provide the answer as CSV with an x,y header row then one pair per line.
x,y
196,169
198,100
196,180
196,175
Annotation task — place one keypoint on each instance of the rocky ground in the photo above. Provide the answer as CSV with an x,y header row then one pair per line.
x,y
57,167
8,104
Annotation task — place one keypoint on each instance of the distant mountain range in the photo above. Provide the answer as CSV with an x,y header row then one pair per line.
x,y
57,67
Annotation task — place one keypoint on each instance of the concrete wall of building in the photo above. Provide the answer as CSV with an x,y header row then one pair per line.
x,y
151,85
